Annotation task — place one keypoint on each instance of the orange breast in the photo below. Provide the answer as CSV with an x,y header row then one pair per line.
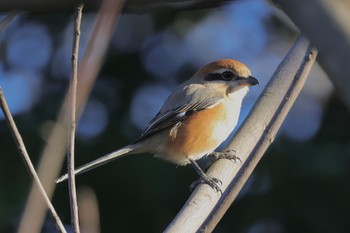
x,y
198,134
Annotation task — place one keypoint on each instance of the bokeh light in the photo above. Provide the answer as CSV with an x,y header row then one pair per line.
x,y
22,89
229,33
304,119
129,36
146,103
164,54
94,120
29,47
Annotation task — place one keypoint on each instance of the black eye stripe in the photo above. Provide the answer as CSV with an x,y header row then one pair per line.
x,y
224,76
213,77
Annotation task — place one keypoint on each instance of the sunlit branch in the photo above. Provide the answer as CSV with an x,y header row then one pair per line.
x,y
205,207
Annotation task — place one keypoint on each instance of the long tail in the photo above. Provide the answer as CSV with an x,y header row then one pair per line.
x,y
100,161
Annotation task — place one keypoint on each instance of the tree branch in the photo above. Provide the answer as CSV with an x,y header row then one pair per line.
x,y
53,154
23,152
205,207
288,77
71,144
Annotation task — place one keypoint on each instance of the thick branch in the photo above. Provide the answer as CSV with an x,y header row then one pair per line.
x,y
205,207
265,125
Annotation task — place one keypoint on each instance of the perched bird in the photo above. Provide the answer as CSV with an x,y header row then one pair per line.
x,y
194,120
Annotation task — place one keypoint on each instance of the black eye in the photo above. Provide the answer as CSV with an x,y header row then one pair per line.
x,y
228,76
224,76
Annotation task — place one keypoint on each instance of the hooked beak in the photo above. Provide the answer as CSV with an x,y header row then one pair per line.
x,y
250,81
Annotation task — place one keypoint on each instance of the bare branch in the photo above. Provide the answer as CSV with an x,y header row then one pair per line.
x,y
205,207
54,151
71,144
23,152
270,124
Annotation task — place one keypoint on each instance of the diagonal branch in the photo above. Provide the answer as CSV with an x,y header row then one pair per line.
x,y
23,152
271,124
71,144
54,151
205,208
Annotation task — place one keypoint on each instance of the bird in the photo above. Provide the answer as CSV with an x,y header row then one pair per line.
x,y
194,120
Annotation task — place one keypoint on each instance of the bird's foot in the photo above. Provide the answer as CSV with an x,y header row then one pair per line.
x,y
227,154
213,182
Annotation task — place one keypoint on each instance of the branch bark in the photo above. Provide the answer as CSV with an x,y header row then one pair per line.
x,y
23,152
71,144
204,209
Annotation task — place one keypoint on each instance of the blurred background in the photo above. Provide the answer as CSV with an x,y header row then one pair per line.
x,y
300,185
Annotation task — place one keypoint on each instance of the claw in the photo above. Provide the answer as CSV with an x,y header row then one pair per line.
x,y
228,154
211,181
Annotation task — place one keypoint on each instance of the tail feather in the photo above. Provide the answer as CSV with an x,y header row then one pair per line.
x,y
100,161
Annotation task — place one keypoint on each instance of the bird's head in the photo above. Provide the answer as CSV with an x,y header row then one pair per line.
x,y
227,73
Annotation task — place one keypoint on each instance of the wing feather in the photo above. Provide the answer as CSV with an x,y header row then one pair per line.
x,y
169,118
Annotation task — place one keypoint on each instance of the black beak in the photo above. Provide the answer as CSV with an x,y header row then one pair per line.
x,y
250,81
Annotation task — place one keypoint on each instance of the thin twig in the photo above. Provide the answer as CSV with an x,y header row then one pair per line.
x,y
71,144
23,152
54,151
205,208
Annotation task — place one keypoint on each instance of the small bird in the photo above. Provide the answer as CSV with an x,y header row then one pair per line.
x,y
194,120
